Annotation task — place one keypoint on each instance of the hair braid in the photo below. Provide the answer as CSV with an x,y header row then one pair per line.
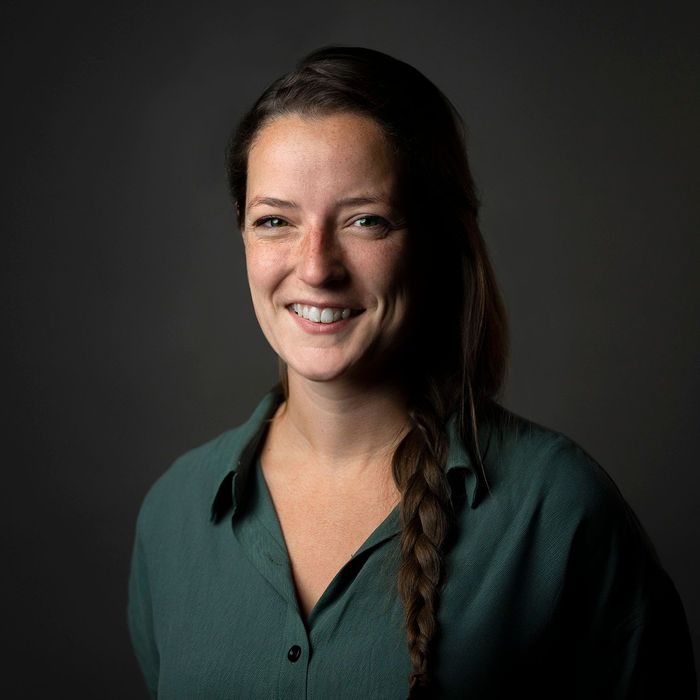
x,y
426,517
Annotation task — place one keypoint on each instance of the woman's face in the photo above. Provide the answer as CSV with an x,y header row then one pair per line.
x,y
326,247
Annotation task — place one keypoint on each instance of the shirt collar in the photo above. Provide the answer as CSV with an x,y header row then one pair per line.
x,y
237,455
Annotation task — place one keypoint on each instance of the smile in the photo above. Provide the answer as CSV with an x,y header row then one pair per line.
x,y
325,314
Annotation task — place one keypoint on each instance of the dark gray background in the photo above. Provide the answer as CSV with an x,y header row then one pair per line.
x,y
130,334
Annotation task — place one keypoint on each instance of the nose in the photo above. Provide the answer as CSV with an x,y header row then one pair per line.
x,y
320,261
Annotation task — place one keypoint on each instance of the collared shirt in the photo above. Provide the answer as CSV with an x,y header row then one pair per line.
x,y
552,589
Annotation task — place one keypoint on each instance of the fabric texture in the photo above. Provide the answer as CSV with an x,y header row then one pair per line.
x,y
552,587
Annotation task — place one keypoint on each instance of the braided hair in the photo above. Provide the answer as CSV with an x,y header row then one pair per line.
x,y
460,368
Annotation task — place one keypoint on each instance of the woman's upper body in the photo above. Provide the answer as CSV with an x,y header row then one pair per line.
x,y
392,530
551,585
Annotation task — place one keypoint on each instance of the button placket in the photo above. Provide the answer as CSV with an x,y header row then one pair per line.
x,y
294,668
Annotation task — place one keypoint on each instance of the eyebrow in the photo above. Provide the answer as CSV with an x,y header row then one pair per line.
x,y
288,204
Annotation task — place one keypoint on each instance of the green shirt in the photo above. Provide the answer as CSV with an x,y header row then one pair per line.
x,y
552,589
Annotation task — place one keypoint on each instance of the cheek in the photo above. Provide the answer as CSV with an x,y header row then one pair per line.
x,y
265,267
385,269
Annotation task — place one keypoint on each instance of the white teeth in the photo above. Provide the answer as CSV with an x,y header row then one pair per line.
x,y
321,315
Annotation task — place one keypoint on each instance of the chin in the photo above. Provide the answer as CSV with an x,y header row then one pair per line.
x,y
318,369
317,374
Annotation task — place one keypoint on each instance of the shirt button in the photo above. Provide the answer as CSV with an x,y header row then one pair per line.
x,y
294,653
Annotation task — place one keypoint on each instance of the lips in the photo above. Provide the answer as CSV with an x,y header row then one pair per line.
x,y
322,314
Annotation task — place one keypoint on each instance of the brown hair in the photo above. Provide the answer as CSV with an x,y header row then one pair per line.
x,y
461,367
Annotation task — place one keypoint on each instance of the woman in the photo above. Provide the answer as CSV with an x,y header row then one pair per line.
x,y
381,527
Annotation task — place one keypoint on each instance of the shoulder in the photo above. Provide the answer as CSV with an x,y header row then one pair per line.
x,y
547,472
189,484
613,603
183,495
558,498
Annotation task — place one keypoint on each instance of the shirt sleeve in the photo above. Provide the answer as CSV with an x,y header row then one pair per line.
x,y
622,620
140,618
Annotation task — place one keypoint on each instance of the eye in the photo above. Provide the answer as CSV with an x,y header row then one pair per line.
x,y
270,222
372,222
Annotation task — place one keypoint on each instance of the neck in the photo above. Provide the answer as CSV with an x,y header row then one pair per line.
x,y
340,429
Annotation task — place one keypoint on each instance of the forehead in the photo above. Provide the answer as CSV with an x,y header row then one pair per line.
x,y
305,154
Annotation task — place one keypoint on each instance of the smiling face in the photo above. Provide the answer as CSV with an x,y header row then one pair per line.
x,y
326,247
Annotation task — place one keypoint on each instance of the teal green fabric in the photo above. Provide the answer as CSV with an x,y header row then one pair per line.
x,y
552,589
